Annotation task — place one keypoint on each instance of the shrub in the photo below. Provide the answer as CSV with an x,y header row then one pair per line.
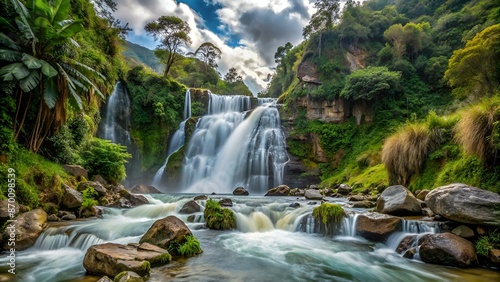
x,y
88,196
101,157
487,243
478,131
405,152
218,218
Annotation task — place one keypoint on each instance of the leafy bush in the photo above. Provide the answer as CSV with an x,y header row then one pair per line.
x,y
218,218
370,83
88,196
487,243
191,247
101,157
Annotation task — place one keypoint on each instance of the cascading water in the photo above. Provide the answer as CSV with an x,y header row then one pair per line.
x,y
117,120
177,140
228,150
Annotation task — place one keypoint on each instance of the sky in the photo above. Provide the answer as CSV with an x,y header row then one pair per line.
x,y
247,32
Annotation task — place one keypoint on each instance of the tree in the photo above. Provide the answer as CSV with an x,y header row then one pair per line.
x,y
370,83
208,53
475,69
105,9
40,54
172,33
395,35
327,12
232,76
281,52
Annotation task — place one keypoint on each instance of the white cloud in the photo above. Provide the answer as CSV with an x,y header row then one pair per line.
x,y
261,25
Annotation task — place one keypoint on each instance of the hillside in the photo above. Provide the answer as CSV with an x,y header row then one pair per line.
x,y
383,95
136,54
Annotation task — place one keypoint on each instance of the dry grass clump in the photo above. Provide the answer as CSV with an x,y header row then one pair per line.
x,y
478,131
404,153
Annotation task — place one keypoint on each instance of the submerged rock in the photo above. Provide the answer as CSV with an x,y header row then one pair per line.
x,y
377,227
144,189
26,229
240,191
190,207
465,204
281,190
128,276
397,200
200,198
166,231
226,202
448,249
111,258
312,194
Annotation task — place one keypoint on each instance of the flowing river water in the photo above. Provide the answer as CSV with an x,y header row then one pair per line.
x,y
272,242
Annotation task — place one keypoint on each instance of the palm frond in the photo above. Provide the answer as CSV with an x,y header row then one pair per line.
x,y
9,55
15,70
79,84
88,68
50,94
20,8
7,41
75,100
31,81
82,77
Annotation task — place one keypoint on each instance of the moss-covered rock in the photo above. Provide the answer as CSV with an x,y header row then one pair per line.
x,y
328,216
218,218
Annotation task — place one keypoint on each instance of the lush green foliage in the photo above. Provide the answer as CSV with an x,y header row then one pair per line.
x,y
328,212
101,157
487,243
371,83
190,248
218,218
89,200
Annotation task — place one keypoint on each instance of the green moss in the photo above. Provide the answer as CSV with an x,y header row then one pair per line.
x,y
486,243
191,247
329,213
218,218
165,258
372,177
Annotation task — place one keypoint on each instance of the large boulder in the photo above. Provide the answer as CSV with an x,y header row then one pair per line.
x,y
111,258
71,199
448,249
281,190
166,231
6,209
76,171
377,227
240,191
465,204
190,207
25,229
312,194
128,276
135,199
144,189
397,200
98,187
344,189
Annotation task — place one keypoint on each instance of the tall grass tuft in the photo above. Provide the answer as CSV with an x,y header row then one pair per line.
x,y
405,152
478,131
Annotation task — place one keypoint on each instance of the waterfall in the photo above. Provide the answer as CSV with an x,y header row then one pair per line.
x,y
117,120
231,148
177,140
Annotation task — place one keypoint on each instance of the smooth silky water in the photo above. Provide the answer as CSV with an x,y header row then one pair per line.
x,y
273,242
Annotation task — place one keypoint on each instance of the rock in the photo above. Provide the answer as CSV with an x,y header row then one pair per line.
x,y
495,257
191,218
377,227
344,189
427,212
96,185
111,258
105,279
465,204
363,205
76,171
68,216
201,198
6,209
26,229
144,189
226,202
312,194
53,217
166,231
422,204
136,200
481,231
294,205
410,253
448,249
463,231
190,207
71,199
128,276
281,190
101,180
406,244
297,192
356,198
421,195
315,187
328,192
397,200
240,191
124,203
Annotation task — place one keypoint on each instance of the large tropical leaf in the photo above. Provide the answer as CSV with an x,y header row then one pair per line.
x,y
42,7
7,41
74,100
50,93
61,10
9,55
44,26
81,76
70,29
20,8
6,24
31,62
31,81
15,70
47,69
79,84
84,66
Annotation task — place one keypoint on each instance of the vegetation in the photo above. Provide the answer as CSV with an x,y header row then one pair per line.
x,y
330,215
190,248
486,243
101,157
218,218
